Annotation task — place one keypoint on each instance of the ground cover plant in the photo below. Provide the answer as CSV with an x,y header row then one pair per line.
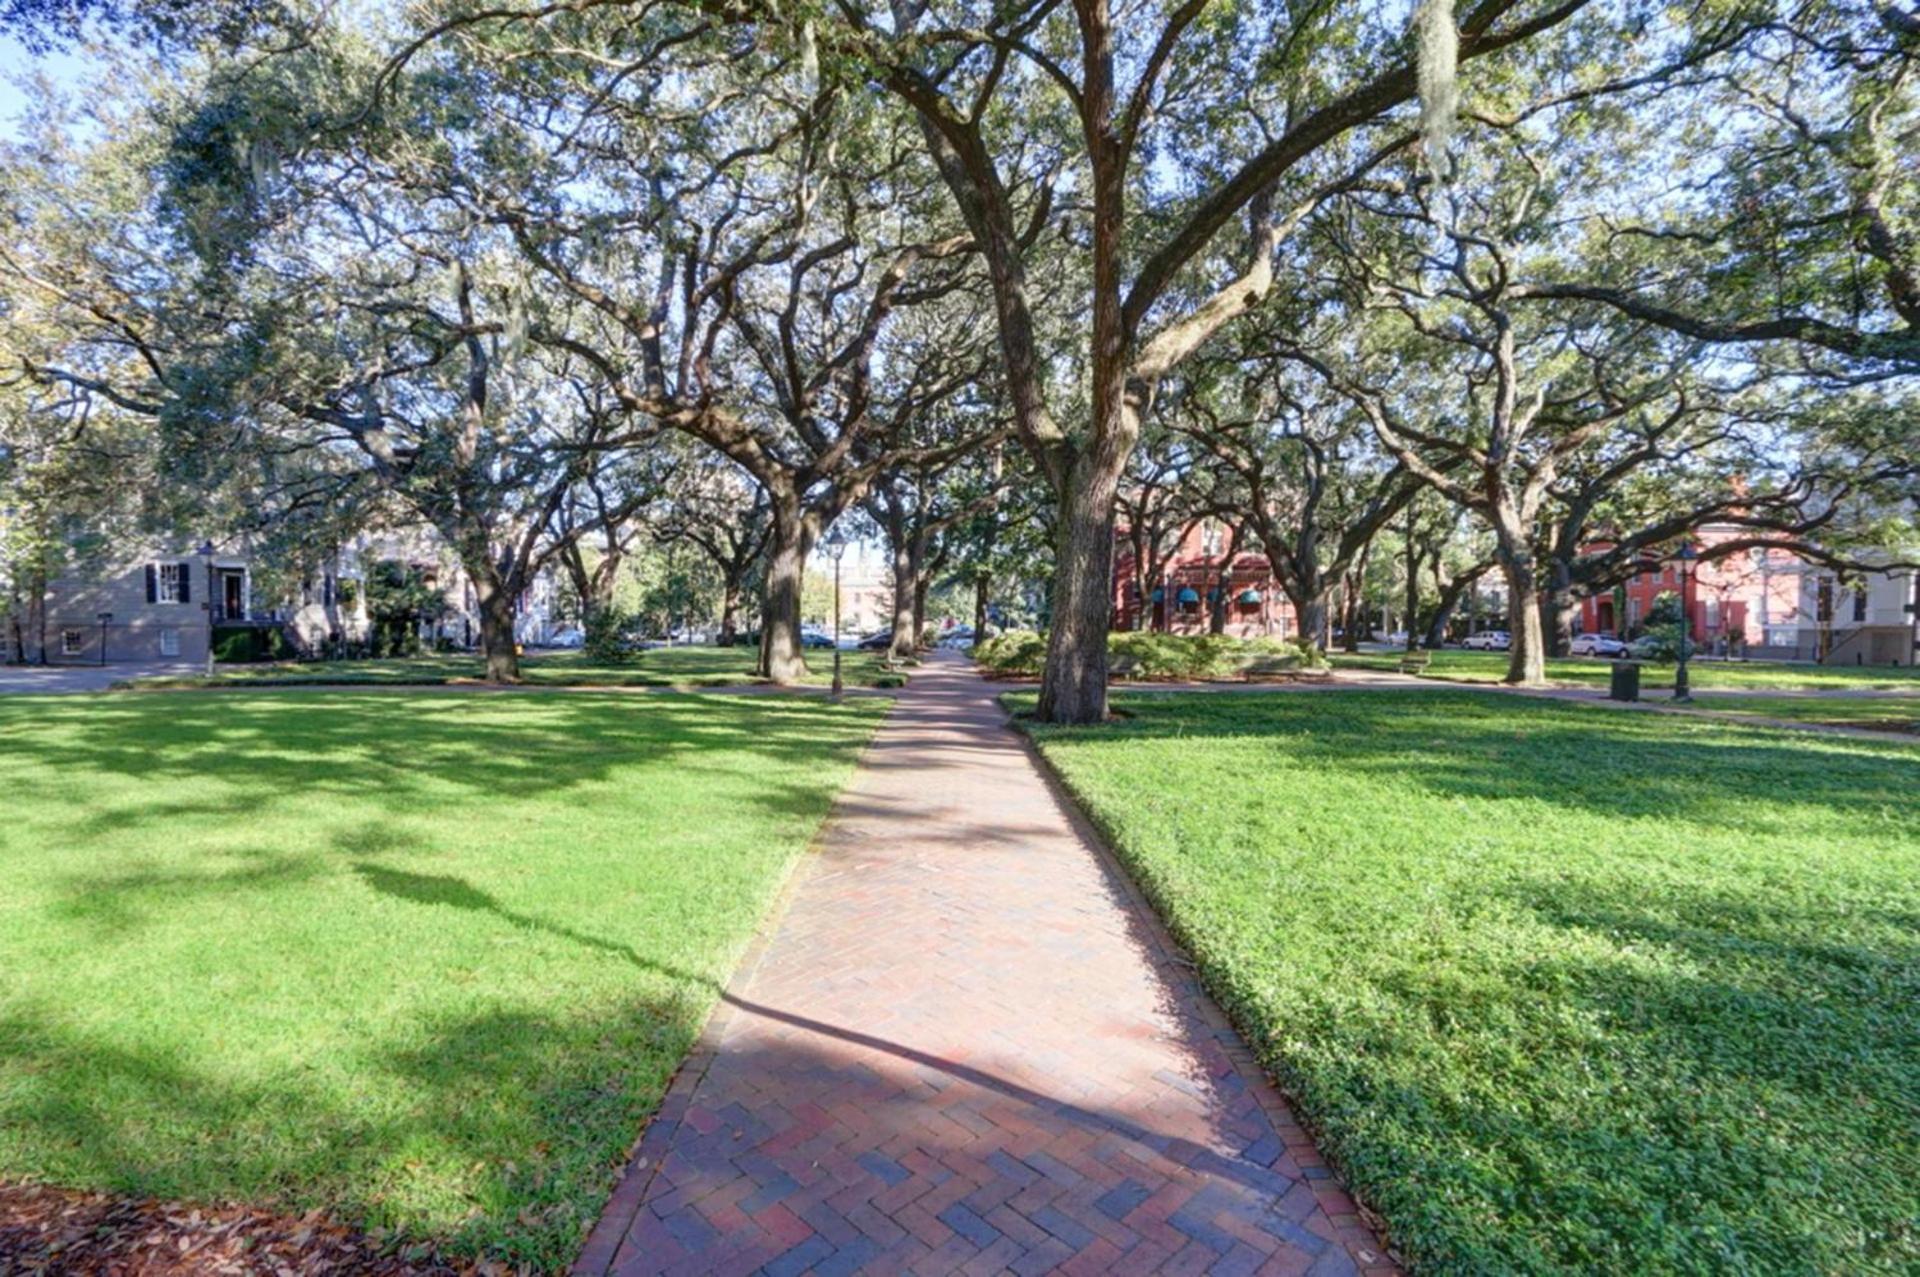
x,y
426,961
1149,656
1561,989
1874,713
1490,667
655,667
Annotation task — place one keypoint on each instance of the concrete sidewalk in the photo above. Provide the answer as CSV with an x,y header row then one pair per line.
x,y
966,1045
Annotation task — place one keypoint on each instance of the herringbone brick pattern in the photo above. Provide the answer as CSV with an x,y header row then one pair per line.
x,y
966,1047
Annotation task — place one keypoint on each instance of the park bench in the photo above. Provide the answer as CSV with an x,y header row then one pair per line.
x,y
1415,662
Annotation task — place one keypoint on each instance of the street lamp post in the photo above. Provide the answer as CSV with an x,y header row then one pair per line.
x,y
1681,692
836,546
106,619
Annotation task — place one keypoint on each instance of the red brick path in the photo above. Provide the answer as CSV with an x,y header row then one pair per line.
x,y
966,1046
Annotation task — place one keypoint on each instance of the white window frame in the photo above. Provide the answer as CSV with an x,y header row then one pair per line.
x,y
170,641
73,642
166,582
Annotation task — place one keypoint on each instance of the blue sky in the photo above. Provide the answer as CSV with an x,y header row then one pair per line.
x,y
15,63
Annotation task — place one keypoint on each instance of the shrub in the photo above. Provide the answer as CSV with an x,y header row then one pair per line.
x,y
1012,652
1148,655
241,644
605,640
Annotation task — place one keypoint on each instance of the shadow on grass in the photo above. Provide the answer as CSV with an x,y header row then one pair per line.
x,y
1680,1037
1489,745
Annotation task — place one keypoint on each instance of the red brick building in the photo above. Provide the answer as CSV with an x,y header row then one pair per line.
x,y
1771,603
1178,597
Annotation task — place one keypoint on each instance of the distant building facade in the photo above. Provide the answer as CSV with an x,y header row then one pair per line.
x,y
1195,575
1772,604
160,603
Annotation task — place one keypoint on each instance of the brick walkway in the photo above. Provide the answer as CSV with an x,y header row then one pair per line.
x,y
966,1046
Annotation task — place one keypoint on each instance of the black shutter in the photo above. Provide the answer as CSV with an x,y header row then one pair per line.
x,y
186,582
153,583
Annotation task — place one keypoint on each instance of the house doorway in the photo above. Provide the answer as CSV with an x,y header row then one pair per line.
x,y
233,595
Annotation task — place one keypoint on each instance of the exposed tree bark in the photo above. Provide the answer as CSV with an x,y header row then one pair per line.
x,y
495,603
782,659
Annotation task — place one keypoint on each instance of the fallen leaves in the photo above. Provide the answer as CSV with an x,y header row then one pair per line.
x,y
53,1232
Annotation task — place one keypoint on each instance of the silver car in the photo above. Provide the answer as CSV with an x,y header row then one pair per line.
x,y
1597,645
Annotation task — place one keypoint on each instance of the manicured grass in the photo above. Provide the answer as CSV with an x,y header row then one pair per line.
x,y
655,667
1875,713
1563,989
1490,667
427,961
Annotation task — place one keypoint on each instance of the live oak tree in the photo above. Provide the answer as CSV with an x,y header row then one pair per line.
x,y
1160,497
1176,153
717,508
1168,135
1800,470
289,288
915,507
1792,210
767,277
1317,486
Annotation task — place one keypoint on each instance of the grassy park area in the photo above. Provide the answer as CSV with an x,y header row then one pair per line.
x,y
1489,667
425,961
654,667
1560,990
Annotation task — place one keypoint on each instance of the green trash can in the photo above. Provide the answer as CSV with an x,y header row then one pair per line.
x,y
1626,681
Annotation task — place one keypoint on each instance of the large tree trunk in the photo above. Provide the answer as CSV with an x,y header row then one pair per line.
x,y
495,602
1450,595
904,634
1141,617
729,610
1413,587
781,660
1073,689
1558,606
980,585
576,564
921,583
37,613
1311,613
1527,658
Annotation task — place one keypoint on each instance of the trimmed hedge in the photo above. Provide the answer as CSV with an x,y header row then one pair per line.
x,y
247,644
1143,655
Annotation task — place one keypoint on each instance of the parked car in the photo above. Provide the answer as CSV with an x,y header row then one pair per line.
x,y
1598,644
878,641
1488,641
567,638
810,637
959,638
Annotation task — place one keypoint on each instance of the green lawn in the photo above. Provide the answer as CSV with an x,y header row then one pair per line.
x,y
1490,667
1563,990
1875,713
656,667
427,960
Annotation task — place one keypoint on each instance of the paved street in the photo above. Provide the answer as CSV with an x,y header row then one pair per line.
x,y
80,678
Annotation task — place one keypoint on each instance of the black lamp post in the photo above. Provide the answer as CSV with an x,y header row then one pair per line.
x,y
1681,691
106,619
836,546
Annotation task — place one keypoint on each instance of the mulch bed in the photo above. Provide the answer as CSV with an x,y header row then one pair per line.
x,y
54,1232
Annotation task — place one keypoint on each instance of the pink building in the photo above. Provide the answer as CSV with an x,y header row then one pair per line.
x,y
1771,603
